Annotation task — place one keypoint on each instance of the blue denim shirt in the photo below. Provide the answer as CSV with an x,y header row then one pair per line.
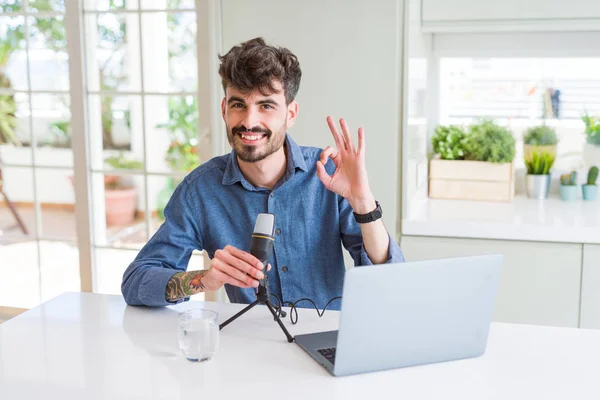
x,y
215,206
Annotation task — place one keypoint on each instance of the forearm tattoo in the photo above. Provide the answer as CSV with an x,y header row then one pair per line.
x,y
184,284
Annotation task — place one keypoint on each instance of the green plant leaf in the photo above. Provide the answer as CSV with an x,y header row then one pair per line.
x,y
490,142
182,127
449,142
592,129
541,135
540,163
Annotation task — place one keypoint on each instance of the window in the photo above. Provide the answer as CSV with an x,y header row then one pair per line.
x,y
139,92
38,240
518,88
522,92
145,136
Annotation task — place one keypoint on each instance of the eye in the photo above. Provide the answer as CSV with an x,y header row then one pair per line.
x,y
267,106
237,105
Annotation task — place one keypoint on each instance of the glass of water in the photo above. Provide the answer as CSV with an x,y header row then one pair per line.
x,y
198,334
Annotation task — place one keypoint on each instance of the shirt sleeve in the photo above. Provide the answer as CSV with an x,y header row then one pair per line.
x,y
353,241
165,254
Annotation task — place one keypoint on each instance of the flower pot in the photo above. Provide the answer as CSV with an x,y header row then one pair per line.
x,y
590,192
471,180
120,206
538,186
568,192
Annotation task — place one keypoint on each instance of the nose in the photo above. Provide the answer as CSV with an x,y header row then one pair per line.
x,y
251,118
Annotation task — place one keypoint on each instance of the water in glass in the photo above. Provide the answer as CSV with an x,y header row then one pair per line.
x,y
198,334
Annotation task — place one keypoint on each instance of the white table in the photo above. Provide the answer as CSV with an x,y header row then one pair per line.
x,y
91,346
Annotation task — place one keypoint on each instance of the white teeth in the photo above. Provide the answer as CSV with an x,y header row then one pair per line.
x,y
248,137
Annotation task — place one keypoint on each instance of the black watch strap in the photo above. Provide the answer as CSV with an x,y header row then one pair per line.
x,y
369,217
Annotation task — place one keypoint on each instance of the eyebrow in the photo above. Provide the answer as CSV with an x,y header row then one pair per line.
x,y
233,99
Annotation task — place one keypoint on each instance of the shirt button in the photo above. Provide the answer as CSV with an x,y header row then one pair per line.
x,y
284,269
272,194
277,231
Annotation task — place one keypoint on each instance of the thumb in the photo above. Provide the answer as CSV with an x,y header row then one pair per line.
x,y
323,175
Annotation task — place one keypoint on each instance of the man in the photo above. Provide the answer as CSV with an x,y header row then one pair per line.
x,y
316,196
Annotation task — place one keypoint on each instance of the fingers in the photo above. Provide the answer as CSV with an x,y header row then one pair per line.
x,y
323,175
237,267
240,264
361,141
347,136
245,256
221,276
330,152
339,139
344,140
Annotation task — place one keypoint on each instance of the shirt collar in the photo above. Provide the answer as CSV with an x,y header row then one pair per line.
x,y
295,160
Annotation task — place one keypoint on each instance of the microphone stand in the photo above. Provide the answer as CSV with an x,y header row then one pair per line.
x,y
262,297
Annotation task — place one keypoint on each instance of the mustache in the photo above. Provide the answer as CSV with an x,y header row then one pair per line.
x,y
256,129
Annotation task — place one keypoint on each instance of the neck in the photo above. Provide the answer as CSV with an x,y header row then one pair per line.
x,y
265,173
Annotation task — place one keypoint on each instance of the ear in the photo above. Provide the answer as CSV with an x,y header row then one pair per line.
x,y
292,112
223,108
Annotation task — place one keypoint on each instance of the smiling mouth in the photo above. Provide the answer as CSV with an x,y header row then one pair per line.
x,y
252,136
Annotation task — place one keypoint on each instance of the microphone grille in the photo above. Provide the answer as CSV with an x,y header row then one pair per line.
x,y
264,224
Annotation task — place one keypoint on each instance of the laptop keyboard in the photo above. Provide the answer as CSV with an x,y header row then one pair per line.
x,y
328,353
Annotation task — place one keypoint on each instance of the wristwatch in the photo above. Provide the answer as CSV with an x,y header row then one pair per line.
x,y
369,217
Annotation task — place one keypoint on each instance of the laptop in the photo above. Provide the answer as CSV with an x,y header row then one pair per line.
x,y
407,314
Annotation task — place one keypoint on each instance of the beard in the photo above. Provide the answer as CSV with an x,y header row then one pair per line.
x,y
271,143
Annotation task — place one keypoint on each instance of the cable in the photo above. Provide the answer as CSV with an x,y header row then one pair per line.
x,y
294,310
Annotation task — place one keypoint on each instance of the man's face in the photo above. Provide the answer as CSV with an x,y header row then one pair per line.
x,y
256,124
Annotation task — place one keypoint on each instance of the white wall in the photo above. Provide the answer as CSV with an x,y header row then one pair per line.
x,y
349,55
54,185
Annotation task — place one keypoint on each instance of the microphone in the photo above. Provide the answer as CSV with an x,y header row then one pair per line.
x,y
261,245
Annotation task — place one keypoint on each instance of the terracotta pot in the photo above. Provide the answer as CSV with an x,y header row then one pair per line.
x,y
120,203
120,206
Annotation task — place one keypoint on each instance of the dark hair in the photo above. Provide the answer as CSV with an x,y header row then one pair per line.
x,y
255,65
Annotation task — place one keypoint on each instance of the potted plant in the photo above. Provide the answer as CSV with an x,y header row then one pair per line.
x,y
449,142
568,186
489,142
540,139
8,104
590,190
119,193
8,118
472,165
8,134
538,174
183,152
8,107
591,147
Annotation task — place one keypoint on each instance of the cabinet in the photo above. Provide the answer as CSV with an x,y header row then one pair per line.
x,y
590,288
530,15
540,283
